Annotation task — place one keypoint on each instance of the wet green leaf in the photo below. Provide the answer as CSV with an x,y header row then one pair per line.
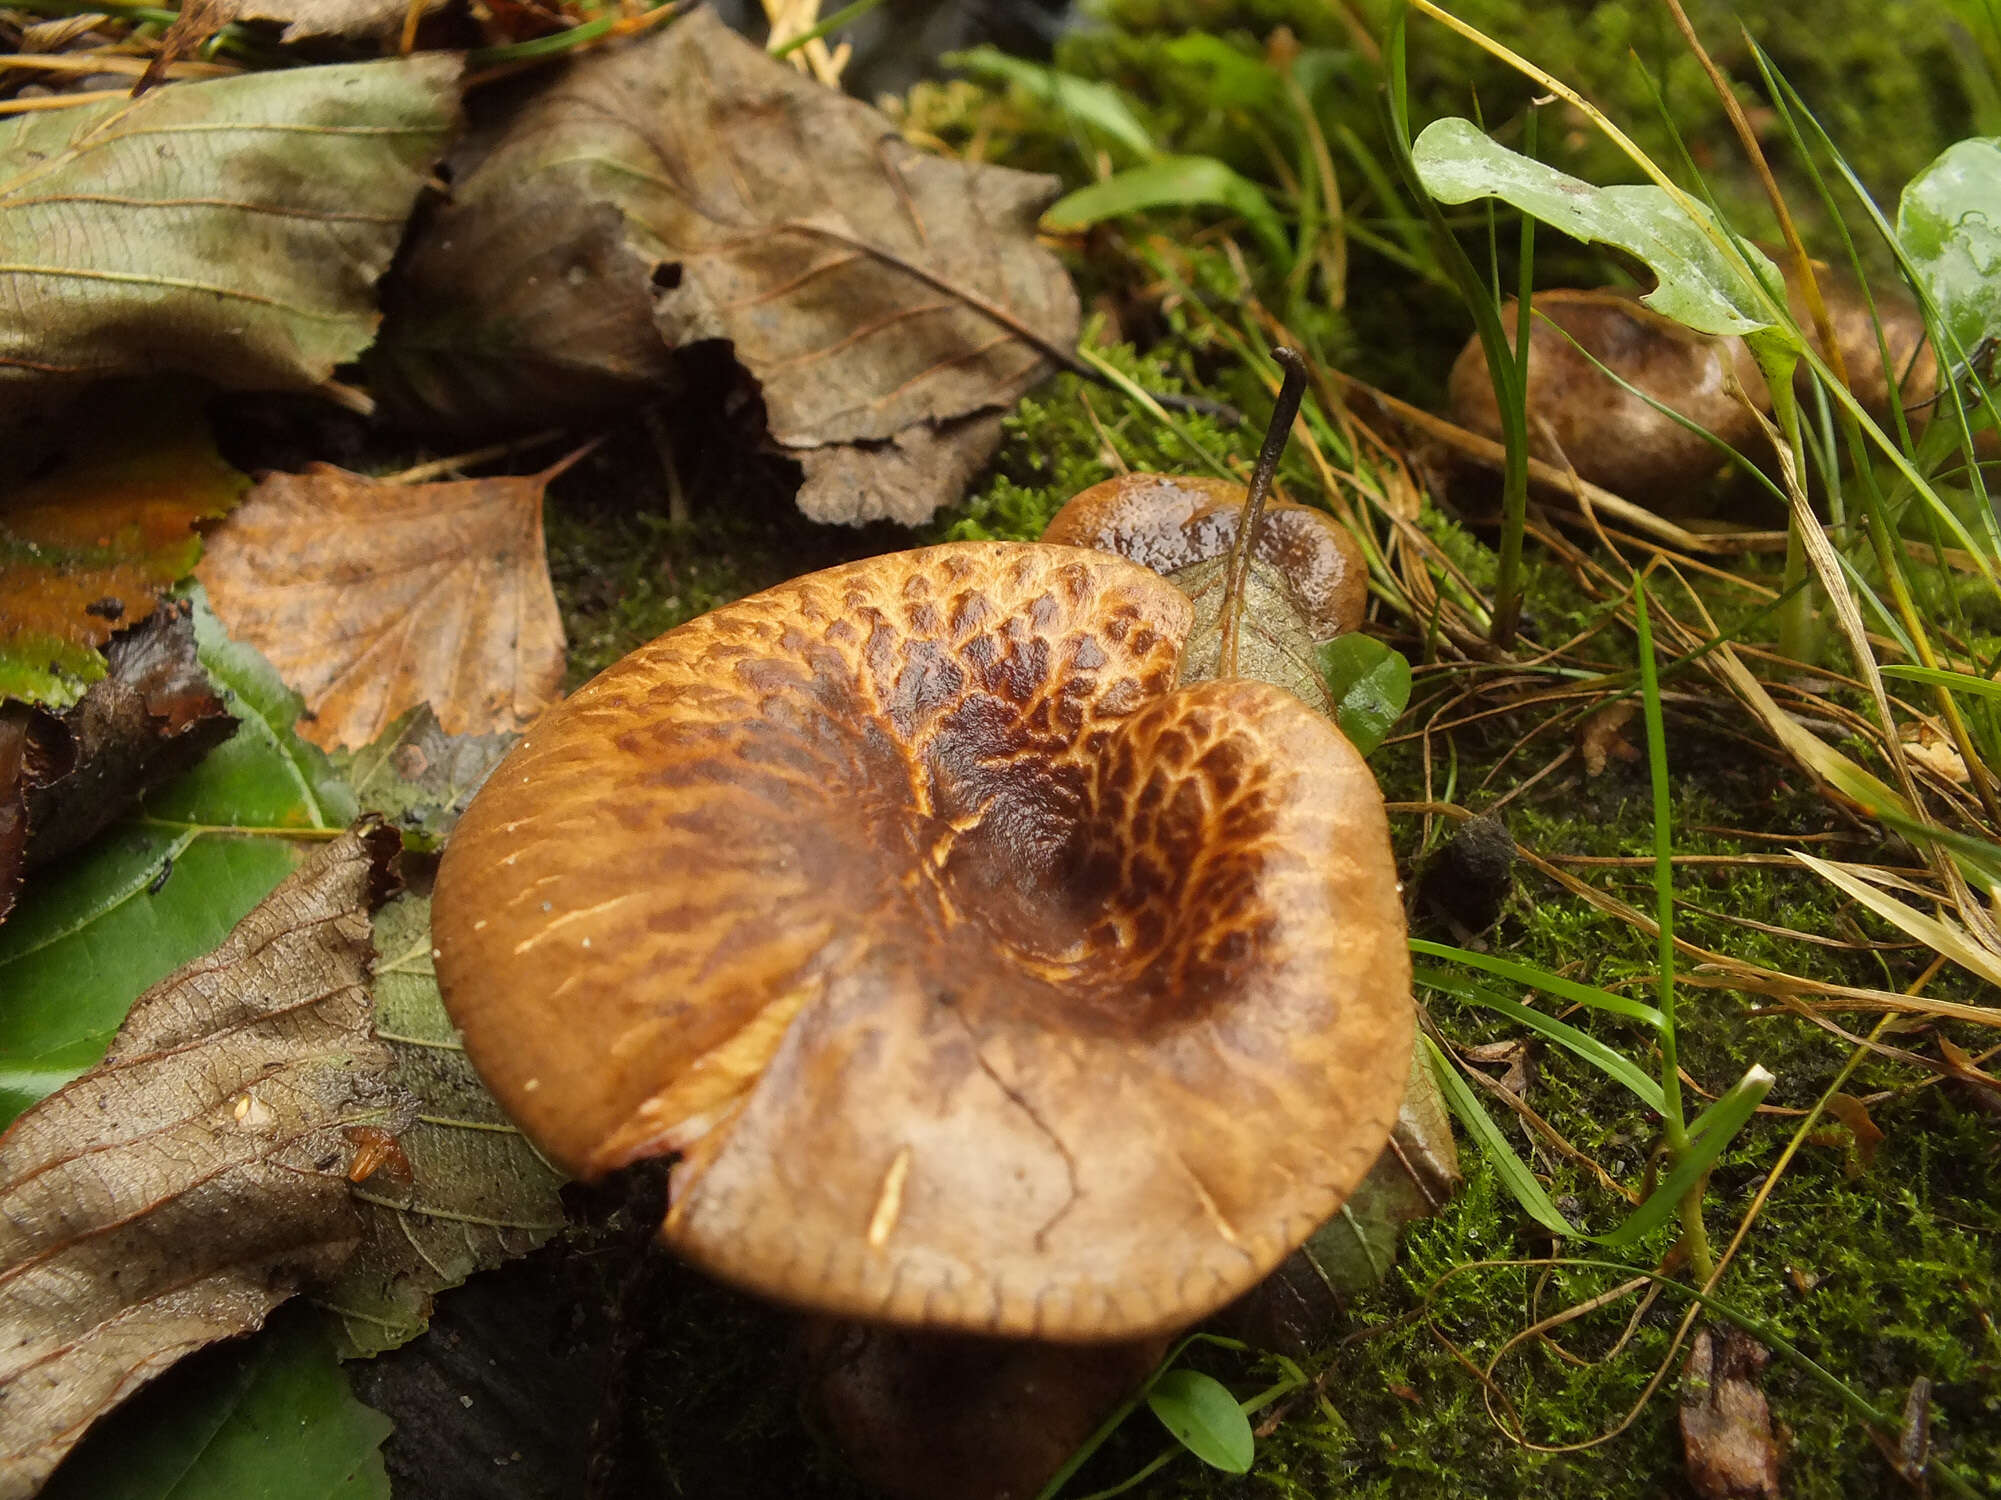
x,y
270,1419
1949,222
1097,105
1699,285
90,934
1204,1418
1369,683
1173,182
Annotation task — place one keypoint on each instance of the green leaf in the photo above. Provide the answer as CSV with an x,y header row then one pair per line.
x,y
1369,683
1710,1132
1949,223
1614,1065
1098,105
1508,1166
270,1419
1540,979
232,229
1958,682
1204,1418
1173,182
1681,242
90,935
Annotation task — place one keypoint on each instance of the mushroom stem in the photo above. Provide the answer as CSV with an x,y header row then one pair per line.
x,y
1290,392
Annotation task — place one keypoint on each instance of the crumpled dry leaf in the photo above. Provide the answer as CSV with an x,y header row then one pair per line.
x,y
233,230
371,598
464,1191
65,780
1726,1427
86,551
194,1179
878,295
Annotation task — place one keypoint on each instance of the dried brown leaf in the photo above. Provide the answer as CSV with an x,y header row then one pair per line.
x,y
1853,1113
194,1179
1726,1427
1602,736
371,598
878,295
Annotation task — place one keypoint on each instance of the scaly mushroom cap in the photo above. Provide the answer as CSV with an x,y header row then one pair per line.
x,y
982,978
1170,522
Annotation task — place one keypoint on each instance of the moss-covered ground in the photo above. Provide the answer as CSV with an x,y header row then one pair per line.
x,y
1883,1271
1883,1265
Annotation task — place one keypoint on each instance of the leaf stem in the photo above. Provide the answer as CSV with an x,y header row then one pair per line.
x,y
1695,1235
1291,391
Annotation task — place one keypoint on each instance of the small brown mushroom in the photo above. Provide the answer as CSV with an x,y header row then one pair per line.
x,y
1183,528
1613,438
1580,415
980,978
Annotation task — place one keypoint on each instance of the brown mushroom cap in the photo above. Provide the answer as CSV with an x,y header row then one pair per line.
x,y
983,978
1169,522
1609,435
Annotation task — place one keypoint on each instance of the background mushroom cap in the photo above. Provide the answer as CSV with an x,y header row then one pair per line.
x,y
1612,437
1169,522
985,979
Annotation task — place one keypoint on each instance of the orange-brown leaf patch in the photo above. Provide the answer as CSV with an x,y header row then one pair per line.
x,y
87,551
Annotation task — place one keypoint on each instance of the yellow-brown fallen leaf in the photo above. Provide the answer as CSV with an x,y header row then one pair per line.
x,y
371,598
195,1178
87,551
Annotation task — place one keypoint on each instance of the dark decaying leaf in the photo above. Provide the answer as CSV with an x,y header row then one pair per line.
x,y
371,597
68,779
1296,1307
86,551
419,777
878,296
206,1431
1726,1427
463,1191
233,230
88,935
196,1178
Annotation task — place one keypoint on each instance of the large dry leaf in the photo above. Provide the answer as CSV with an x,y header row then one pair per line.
x,y
463,1190
65,780
86,551
195,1178
880,297
233,230
371,598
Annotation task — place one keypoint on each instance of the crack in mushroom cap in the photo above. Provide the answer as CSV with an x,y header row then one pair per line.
x,y
1170,522
983,978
